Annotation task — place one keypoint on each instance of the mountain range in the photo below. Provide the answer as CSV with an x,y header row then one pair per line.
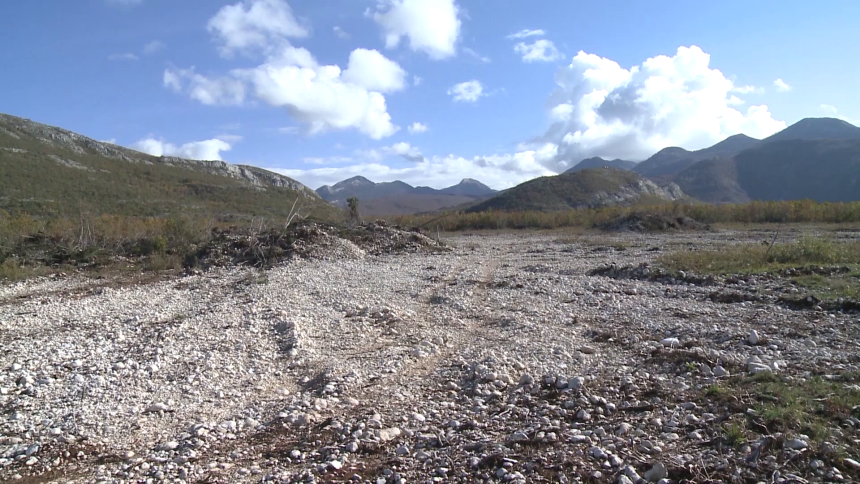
x,y
399,198
46,170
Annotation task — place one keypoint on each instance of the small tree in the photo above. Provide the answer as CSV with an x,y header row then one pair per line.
x,y
354,214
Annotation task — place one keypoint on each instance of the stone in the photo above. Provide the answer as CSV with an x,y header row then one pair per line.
x,y
526,379
575,383
519,436
670,342
157,407
657,472
588,350
753,338
720,372
389,434
795,444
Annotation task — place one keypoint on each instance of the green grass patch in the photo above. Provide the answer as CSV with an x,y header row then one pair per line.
x,y
760,258
809,406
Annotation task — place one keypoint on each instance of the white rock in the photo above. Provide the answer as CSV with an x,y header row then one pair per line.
x,y
670,342
796,444
657,472
157,407
753,338
720,372
389,434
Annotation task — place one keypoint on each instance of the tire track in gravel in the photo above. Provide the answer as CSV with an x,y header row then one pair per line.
x,y
423,368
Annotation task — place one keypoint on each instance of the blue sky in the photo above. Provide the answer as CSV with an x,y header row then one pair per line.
x,y
500,91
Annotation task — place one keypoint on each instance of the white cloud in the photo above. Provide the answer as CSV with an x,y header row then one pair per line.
x,y
829,109
477,56
832,111
319,95
254,25
747,89
198,150
404,150
153,47
208,91
522,34
417,127
340,33
433,27
469,91
331,160
111,141
602,109
374,72
542,50
230,138
416,80
289,130
782,86
127,56
498,171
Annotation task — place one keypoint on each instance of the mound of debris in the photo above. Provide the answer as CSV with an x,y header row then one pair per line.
x,y
643,222
308,241
644,272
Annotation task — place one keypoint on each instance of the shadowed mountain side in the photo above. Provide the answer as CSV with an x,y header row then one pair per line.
x,y
587,188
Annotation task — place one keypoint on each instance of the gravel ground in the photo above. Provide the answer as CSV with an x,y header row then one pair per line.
x,y
499,361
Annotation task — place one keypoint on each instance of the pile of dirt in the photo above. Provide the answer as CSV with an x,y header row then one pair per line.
x,y
308,241
644,222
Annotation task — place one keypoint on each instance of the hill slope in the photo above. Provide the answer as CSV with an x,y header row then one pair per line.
x,y
51,171
587,188
670,161
598,162
822,170
817,128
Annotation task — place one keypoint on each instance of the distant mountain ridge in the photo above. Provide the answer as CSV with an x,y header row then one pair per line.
x,y
399,198
673,160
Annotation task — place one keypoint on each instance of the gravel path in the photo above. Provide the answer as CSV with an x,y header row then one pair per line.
x,y
500,361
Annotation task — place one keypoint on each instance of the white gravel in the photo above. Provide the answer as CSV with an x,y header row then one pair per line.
x,y
499,361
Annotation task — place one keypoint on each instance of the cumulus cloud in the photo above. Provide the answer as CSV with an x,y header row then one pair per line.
x,y
525,33
833,111
197,150
432,27
374,72
781,85
224,91
747,89
498,171
153,47
602,109
323,97
417,127
126,56
416,80
404,150
469,91
254,25
340,33
481,58
542,50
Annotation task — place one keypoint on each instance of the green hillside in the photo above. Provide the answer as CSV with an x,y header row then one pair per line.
x,y
48,171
